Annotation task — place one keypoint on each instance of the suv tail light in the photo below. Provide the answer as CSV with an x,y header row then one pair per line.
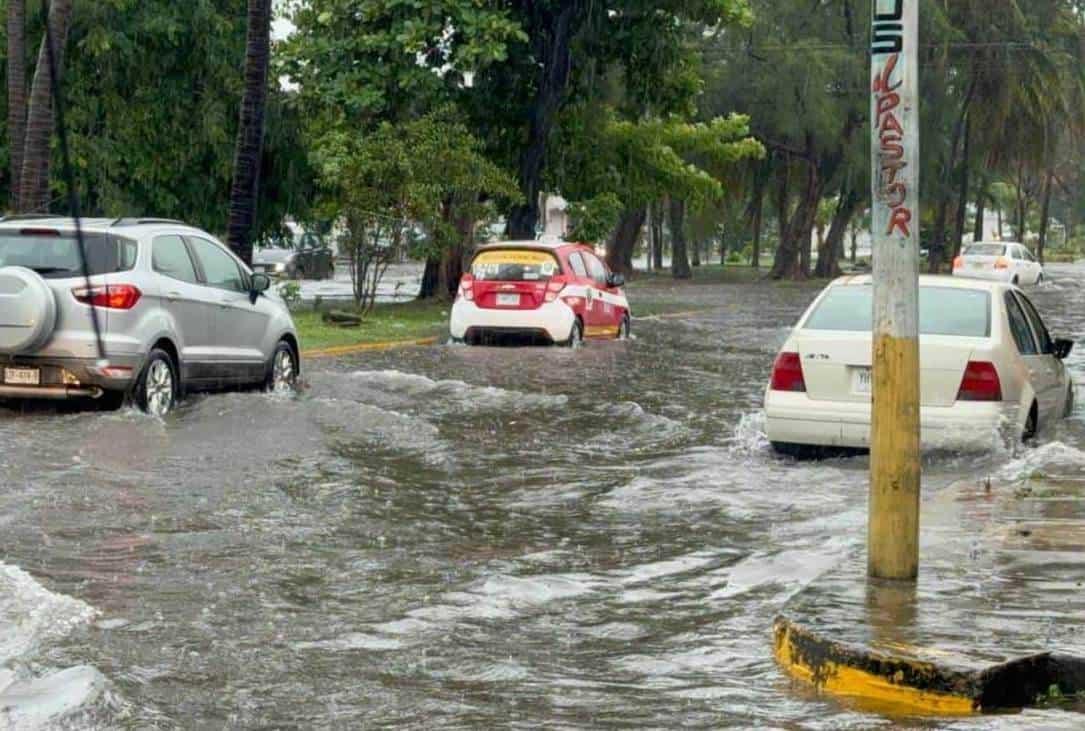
x,y
553,288
1002,263
112,296
787,373
467,287
980,383
958,263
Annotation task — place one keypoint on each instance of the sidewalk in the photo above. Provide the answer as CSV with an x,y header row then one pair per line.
x,y
996,620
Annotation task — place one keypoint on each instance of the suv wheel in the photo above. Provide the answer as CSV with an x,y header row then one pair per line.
x,y
283,372
156,390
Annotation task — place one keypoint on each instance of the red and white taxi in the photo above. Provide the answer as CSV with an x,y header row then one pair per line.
x,y
549,292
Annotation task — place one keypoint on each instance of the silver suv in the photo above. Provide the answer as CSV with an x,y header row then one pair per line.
x,y
177,312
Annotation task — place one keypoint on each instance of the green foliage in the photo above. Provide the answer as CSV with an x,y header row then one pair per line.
x,y
290,293
594,219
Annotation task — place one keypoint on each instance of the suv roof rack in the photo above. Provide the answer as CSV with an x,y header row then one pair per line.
x,y
141,221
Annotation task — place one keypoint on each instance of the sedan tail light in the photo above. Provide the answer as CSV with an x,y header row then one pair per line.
x,y
980,383
553,288
1002,263
467,287
787,373
111,296
958,263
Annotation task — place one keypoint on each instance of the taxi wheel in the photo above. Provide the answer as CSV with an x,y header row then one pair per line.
x,y
576,335
624,329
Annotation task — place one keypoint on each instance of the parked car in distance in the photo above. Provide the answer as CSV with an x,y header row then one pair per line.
x,y
999,261
177,312
307,256
539,292
989,369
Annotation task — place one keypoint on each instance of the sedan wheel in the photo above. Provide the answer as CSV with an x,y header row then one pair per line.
x,y
156,391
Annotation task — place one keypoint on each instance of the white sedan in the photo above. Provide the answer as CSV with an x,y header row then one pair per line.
x,y
989,370
999,261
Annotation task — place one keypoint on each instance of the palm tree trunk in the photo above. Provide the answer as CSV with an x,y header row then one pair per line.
x,y
962,198
978,230
16,92
1048,184
250,133
34,177
657,236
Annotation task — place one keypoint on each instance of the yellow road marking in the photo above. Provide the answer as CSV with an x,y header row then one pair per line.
x,y
364,347
881,693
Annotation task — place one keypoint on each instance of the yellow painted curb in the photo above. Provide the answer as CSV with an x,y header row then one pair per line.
x,y
894,686
364,347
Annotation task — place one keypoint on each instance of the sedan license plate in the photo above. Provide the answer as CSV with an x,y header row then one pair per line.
x,y
860,380
508,300
22,376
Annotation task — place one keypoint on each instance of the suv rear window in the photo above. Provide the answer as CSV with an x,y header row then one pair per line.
x,y
942,311
515,265
56,256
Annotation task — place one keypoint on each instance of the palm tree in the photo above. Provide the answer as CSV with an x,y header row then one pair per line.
x,y
34,178
16,91
250,134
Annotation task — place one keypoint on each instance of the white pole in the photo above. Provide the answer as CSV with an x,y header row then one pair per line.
x,y
893,533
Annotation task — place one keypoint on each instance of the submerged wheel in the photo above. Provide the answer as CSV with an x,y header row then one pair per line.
x,y
156,389
283,371
576,334
1031,425
624,329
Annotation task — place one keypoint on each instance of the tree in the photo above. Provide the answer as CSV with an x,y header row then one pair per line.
x,y
16,71
250,133
34,178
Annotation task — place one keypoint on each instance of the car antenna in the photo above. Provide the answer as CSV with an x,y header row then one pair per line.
x,y
69,176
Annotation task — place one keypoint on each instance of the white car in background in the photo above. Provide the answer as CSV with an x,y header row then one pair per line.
x,y
989,370
1000,261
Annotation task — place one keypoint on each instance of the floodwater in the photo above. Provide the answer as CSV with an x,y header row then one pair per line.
x,y
447,537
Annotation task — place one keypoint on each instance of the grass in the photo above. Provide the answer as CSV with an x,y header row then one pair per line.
x,y
401,321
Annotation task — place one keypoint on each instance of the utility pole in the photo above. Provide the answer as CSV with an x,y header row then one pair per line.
x,y
893,529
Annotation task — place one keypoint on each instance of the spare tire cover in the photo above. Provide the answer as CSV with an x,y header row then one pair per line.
x,y
28,310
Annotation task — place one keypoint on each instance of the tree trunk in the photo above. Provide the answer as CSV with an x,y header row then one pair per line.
x,y
34,178
1046,213
978,231
552,43
657,236
793,256
854,245
430,278
962,198
624,240
756,212
450,270
1001,226
832,251
250,133
697,253
680,268
16,92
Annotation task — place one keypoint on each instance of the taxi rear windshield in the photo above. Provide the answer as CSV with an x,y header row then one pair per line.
x,y
964,313
515,265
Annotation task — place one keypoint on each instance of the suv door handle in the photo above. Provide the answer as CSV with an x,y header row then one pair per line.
x,y
172,296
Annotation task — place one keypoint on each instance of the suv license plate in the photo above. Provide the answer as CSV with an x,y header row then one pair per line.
x,y
861,380
22,376
508,300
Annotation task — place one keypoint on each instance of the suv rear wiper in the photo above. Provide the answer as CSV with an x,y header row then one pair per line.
x,y
53,270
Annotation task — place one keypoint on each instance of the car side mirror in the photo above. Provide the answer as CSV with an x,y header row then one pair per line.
x,y
258,284
614,279
1063,348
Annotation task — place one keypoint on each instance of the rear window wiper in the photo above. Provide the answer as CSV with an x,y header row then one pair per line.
x,y
53,270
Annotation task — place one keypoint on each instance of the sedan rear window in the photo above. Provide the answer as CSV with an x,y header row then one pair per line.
x,y
985,250
942,311
56,255
515,265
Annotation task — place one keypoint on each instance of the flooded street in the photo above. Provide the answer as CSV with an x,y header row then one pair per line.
x,y
450,537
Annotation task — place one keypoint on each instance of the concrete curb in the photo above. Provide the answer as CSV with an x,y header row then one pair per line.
x,y
898,685
366,347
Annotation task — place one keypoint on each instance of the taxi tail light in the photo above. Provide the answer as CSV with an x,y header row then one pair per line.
x,y
1002,263
111,296
554,287
787,373
958,263
467,287
980,382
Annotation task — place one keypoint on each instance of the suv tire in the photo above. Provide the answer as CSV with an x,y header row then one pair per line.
x,y
156,390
